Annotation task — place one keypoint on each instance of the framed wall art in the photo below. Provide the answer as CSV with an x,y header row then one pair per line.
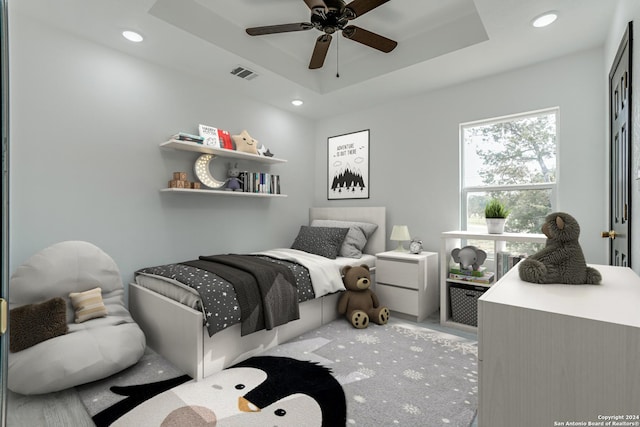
x,y
348,166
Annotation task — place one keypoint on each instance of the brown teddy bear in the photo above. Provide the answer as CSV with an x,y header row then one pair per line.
x,y
359,303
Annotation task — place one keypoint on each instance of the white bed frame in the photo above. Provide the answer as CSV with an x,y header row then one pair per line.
x,y
177,332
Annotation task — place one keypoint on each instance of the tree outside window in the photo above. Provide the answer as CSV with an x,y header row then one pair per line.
x,y
512,159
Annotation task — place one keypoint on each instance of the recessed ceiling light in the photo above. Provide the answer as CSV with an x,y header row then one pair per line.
x,y
545,19
132,36
297,102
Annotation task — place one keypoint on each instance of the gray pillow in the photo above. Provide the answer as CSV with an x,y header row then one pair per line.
x,y
323,241
356,239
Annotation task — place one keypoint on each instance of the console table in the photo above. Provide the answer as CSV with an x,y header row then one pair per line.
x,y
557,353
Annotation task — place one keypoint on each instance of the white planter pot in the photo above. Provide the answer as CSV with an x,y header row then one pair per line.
x,y
495,225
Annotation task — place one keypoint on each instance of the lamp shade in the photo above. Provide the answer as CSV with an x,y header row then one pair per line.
x,y
400,232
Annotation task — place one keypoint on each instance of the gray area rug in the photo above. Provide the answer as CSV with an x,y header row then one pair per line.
x,y
150,368
396,374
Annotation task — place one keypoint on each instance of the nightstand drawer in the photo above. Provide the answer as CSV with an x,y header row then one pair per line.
x,y
398,299
401,273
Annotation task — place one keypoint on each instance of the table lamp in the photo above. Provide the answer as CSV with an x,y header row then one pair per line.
x,y
400,233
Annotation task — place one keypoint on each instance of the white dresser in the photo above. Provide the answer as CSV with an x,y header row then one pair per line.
x,y
552,354
408,283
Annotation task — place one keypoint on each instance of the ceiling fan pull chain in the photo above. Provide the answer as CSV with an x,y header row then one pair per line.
x,y
337,57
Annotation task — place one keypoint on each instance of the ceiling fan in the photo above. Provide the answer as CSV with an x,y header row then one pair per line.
x,y
330,16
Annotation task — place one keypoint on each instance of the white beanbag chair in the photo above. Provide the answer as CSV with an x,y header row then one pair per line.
x,y
92,349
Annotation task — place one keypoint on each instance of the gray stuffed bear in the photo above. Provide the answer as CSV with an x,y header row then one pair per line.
x,y
562,260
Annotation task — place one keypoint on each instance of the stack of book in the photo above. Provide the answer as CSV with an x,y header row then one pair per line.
x,y
259,182
505,261
473,276
183,136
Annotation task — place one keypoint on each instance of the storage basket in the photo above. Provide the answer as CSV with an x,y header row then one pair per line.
x,y
464,302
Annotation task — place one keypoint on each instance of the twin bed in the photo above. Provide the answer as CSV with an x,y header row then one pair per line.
x,y
202,336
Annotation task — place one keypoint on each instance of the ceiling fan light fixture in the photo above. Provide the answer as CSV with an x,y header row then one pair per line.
x,y
297,102
132,36
545,19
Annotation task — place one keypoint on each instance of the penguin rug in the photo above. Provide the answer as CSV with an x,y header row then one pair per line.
x,y
260,391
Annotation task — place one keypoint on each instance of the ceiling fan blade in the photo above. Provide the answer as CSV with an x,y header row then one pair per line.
x,y
360,7
368,38
282,28
316,5
320,51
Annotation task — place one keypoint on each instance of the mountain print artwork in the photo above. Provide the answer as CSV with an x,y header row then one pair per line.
x,y
348,180
349,166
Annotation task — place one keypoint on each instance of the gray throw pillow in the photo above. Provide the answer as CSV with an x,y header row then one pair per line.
x,y
356,239
323,241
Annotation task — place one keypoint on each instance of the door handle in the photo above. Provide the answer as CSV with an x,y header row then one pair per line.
x,y
3,316
609,234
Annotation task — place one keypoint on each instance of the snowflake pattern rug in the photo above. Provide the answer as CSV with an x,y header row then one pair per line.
x,y
397,374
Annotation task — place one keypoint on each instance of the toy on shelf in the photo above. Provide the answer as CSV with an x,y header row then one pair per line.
x,y
469,257
233,183
180,181
245,143
264,151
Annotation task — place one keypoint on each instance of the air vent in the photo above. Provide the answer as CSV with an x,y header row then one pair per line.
x,y
244,73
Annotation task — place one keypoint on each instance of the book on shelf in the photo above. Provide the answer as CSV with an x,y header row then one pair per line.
x,y
216,138
259,182
275,184
183,136
505,262
486,278
477,273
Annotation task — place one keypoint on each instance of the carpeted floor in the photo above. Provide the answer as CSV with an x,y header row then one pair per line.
x,y
397,374
151,368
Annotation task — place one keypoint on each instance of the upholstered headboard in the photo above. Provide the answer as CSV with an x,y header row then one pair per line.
x,y
375,215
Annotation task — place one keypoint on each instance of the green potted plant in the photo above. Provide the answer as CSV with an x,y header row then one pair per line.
x,y
496,214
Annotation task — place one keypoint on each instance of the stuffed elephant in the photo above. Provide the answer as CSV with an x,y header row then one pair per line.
x,y
469,257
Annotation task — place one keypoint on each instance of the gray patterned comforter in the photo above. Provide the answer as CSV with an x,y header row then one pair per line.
x,y
220,303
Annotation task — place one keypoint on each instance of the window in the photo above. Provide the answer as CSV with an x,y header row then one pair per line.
x,y
512,159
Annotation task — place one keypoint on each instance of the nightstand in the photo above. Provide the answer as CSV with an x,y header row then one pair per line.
x,y
408,283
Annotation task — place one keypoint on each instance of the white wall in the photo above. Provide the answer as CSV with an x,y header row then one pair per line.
x,y
414,146
86,122
628,10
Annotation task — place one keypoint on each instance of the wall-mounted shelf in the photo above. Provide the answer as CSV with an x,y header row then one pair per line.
x,y
199,148
220,192
223,153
